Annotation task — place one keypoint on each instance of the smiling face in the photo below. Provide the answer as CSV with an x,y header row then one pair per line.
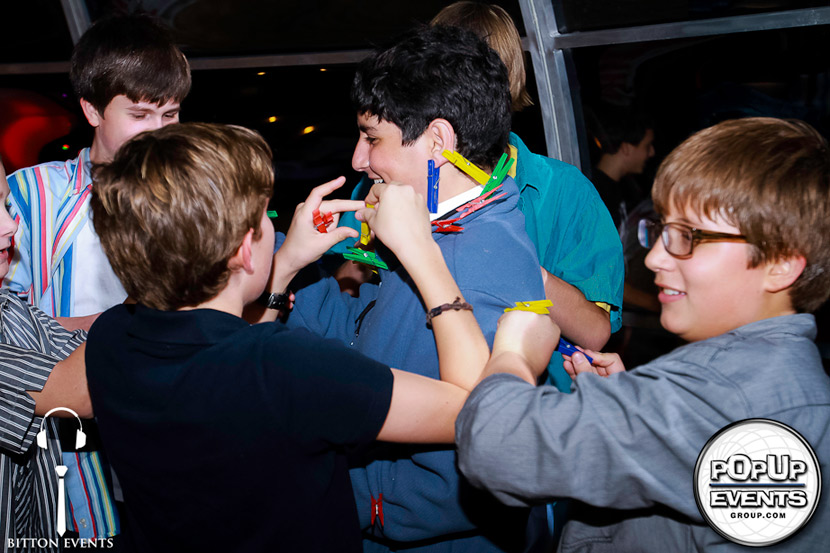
x,y
381,154
123,119
713,291
7,225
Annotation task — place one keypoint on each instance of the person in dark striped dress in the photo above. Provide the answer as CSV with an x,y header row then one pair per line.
x,y
31,343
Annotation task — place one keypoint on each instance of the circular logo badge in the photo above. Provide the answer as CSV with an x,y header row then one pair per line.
x,y
757,482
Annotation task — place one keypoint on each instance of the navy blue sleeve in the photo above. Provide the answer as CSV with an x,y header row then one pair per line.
x,y
325,391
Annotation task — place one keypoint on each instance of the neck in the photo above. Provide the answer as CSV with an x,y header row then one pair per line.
x,y
611,166
453,182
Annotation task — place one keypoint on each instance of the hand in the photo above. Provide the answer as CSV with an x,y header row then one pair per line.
x,y
399,218
530,335
605,364
304,244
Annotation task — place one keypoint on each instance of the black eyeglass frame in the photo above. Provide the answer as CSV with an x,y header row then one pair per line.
x,y
646,225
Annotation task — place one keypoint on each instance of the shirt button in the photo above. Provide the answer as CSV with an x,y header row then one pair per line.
x,y
83,522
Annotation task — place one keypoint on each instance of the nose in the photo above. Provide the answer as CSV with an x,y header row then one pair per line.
x,y
658,259
360,157
8,226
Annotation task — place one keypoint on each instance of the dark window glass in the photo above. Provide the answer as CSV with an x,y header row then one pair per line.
x,y
586,15
220,27
33,31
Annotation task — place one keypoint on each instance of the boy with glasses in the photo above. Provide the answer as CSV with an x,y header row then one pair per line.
x,y
741,256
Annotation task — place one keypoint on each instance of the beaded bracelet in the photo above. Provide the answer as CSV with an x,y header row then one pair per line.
x,y
457,305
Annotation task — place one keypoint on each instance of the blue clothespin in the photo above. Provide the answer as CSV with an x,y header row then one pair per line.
x,y
567,348
433,176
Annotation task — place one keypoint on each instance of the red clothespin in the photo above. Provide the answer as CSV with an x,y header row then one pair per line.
x,y
447,226
322,220
377,509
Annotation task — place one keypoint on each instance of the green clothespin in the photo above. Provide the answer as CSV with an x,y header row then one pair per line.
x,y
499,173
362,256
271,214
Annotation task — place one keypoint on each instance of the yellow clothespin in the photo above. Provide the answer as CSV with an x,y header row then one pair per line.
x,y
538,306
364,229
471,169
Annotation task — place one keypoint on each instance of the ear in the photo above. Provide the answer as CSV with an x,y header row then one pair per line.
x,y
243,258
91,113
783,273
626,148
441,136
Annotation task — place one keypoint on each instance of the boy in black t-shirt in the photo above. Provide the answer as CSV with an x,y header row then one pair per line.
x,y
227,436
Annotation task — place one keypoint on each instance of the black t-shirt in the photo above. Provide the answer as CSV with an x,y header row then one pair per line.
x,y
229,437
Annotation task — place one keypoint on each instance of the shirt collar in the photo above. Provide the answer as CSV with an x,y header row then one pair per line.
x,y
192,327
456,201
83,172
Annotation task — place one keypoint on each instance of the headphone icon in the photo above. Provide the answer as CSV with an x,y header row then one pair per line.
x,y
60,470
80,437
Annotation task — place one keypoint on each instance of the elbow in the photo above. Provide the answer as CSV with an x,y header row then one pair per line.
x,y
600,335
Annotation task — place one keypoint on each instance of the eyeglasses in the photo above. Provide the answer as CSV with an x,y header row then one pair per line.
x,y
679,239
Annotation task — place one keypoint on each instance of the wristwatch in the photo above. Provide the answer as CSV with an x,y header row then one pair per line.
x,y
274,301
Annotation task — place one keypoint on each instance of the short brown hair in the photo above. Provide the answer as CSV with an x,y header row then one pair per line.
x,y
493,24
174,205
131,55
768,177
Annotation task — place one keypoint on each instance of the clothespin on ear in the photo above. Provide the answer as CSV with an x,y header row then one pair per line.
x,y
433,176
363,256
322,220
499,173
468,167
538,306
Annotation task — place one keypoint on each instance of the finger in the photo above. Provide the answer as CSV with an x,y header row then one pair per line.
x,y
319,192
339,206
581,364
341,233
569,368
376,192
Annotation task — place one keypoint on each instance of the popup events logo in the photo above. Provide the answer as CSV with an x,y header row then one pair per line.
x,y
757,482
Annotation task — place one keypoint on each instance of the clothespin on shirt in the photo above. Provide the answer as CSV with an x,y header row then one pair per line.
x,y
538,306
468,167
499,173
567,348
363,256
377,509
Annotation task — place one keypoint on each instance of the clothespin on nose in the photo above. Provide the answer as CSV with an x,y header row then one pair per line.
x,y
538,306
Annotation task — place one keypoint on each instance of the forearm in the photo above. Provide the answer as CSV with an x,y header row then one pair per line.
x,y
581,321
422,410
462,348
66,387
508,363
77,323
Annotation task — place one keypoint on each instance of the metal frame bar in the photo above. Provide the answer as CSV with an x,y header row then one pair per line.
x,y
552,80
705,27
